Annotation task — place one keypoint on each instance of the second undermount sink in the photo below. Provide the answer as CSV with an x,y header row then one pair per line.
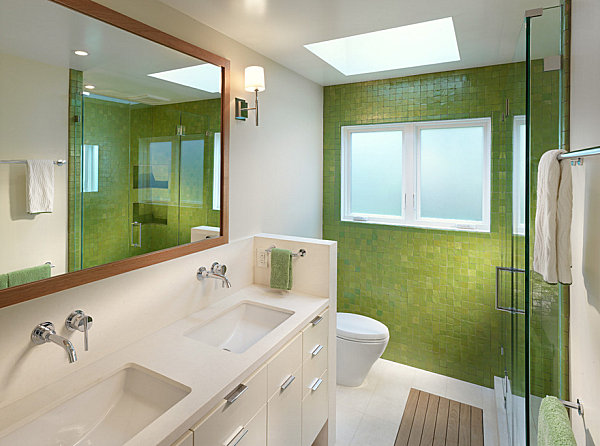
x,y
109,413
240,327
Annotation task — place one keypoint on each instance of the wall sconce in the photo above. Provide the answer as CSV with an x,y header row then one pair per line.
x,y
254,80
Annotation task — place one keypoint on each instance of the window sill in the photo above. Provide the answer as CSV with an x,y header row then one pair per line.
x,y
421,225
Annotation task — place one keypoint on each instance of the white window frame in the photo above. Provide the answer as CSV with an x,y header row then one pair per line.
x,y
90,169
216,196
518,229
411,208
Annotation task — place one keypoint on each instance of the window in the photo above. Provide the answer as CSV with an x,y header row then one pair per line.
x,y
519,131
424,174
216,201
90,168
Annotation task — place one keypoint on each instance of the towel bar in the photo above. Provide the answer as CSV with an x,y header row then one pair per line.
x,y
300,253
57,162
576,156
569,405
49,263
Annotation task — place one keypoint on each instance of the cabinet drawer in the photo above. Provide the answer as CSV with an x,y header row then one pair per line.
x,y
253,434
227,418
314,335
283,365
315,408
186,439
284,426
313,368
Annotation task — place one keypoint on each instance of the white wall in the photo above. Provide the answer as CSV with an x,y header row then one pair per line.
x,y
276,178
33,125
584,342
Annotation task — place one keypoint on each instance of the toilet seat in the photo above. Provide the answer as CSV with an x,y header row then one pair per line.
x,y
358,328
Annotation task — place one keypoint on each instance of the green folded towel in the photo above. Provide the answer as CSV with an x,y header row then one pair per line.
x,y
554,427
27,275
3,281
281,269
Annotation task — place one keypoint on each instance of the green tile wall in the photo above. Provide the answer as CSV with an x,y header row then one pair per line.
x,y
434,289
74,165
105,231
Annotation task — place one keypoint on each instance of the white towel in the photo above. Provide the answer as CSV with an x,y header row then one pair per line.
x,y
40,186
552,248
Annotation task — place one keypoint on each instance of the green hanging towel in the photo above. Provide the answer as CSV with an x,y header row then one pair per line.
x,y
27,275
281,269
554,427
3,281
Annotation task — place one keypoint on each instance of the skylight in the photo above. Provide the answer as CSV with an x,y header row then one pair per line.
x,y
407,46
205,77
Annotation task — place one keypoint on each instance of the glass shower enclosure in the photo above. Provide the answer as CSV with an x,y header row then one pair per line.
x,y
532,313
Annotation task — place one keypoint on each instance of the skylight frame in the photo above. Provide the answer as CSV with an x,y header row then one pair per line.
x,y
408,46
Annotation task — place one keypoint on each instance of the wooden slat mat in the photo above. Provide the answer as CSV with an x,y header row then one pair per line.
x,y
430,420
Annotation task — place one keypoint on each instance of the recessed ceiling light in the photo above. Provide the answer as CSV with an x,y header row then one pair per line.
x,y
204,77
81,52
85,93
89,87
407,46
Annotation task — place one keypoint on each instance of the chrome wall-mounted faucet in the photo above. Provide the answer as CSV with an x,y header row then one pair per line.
x,y
217,271
80,321
45,332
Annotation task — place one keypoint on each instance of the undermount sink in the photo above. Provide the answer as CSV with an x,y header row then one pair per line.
x,y
239,328
108,413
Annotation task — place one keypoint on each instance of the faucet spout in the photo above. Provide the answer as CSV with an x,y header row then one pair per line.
x,y
66,345
45,332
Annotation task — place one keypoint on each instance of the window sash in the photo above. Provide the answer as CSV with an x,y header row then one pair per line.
x,y
518,198
411,176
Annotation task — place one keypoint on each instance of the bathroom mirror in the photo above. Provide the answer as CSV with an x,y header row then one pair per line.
x,y
132,127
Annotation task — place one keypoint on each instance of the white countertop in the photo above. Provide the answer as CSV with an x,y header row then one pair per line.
x,y
209,372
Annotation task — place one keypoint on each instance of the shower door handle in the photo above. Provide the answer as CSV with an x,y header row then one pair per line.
x,y
139,242
499,307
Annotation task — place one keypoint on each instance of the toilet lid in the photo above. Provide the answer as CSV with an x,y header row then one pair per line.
x,y
355,327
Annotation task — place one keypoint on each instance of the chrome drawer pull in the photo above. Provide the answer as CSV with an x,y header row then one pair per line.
x,y
287,382
316,383
316,350
237,392
241,433
316,320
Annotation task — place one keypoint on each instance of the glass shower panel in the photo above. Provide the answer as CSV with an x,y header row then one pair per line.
x,y
154,178
510,273
197,216
547,323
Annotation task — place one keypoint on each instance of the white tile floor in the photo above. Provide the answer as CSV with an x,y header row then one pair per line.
x,y
370,415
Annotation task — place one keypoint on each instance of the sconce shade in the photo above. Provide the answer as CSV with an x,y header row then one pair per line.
x,y
254,78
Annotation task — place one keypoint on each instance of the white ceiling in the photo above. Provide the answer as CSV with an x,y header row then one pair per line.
x,y
488,31
48,33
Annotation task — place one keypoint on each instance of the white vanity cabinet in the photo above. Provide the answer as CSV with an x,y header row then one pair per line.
x,y
285,403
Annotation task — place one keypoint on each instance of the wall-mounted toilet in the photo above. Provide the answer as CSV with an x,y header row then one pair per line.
x,y
360,342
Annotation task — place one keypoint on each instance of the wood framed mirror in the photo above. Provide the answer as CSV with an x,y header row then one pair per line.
x,y
142,176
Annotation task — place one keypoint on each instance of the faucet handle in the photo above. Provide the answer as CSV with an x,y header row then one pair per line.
x,y
217,268
80,321
40,333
